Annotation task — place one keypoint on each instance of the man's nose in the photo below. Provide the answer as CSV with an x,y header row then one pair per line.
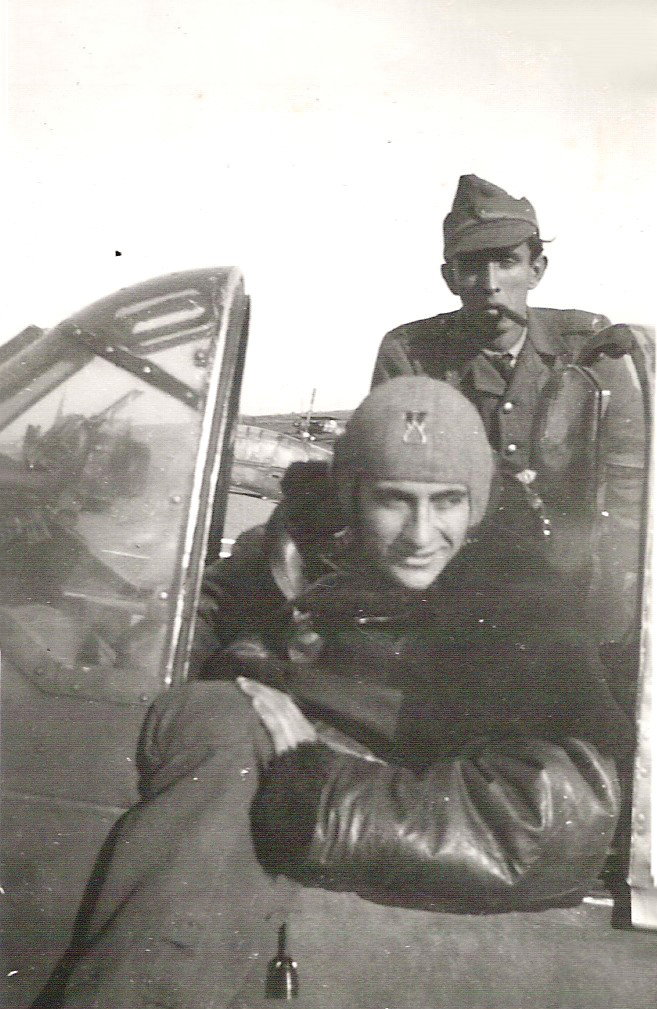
x,y
489,278
420,527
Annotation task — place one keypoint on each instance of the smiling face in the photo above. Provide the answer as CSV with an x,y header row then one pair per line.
x,y
409,530
488,281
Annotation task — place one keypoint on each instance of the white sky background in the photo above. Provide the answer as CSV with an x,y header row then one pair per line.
x,y
317,144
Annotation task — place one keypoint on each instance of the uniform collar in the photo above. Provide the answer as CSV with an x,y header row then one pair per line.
x,y
544,332
543,340
511,352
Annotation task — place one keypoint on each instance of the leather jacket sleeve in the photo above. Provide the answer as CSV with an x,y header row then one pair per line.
x,y
508,825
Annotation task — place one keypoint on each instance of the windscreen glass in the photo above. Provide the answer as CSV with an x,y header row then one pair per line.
x,y
96,479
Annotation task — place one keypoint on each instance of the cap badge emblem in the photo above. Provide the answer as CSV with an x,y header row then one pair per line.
x,y
414,433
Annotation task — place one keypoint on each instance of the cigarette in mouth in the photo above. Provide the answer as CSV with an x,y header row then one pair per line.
x,y
510,314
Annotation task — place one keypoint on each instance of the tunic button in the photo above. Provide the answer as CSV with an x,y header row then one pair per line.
x,y
507,407
511,448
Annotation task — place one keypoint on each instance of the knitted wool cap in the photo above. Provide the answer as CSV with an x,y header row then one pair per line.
x,y
418,429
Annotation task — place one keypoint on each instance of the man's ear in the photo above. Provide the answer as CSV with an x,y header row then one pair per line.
x,y
538,268
449,276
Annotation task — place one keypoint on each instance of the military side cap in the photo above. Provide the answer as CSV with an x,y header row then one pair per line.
x,y
483,216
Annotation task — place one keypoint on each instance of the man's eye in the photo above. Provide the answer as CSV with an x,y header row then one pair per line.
x,y
448,500
389,500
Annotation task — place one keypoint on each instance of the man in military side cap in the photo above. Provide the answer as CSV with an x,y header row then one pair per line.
x,y
502,355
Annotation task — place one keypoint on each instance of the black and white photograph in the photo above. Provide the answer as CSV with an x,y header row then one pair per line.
x,y
327,481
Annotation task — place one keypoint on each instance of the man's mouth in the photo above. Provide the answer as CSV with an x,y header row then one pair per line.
x,y
499,312
419,560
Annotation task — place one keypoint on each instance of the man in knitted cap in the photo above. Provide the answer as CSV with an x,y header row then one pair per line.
x,y
506,358
414,469
411,734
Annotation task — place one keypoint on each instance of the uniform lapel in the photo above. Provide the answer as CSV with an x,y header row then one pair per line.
x,y
545,332
484,376
536,359
474,368
544,343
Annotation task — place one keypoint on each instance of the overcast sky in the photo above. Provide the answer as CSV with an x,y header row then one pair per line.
x,y
317,144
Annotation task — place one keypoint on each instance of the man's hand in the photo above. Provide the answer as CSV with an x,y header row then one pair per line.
x,y
280,716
